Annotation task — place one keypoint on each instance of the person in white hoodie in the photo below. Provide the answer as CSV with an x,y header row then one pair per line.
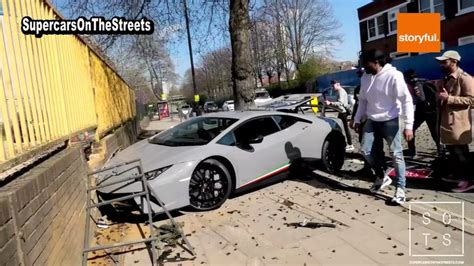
x,y
383,92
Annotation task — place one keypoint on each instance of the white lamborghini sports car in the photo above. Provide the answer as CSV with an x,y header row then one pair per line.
x,y
202,161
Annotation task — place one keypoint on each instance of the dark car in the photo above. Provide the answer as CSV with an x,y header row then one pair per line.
x,y
210,107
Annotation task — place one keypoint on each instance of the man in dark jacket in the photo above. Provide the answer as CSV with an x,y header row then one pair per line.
x,y
424,100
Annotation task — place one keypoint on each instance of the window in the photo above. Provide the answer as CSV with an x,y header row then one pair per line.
x,y
465,6
432,6
375,27
372,31
380,25
197,131
466,40
425,6
263,126
285,121
228,139
392,18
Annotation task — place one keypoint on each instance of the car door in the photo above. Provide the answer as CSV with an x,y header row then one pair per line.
x,y
257,161
299,137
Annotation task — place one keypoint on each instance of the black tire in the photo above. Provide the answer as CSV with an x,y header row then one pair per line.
x,y
333,153
210,185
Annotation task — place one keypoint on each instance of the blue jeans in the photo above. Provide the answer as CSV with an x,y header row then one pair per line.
x,y
376,132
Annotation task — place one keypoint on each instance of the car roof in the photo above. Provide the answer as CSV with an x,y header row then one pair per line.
x,y
242,114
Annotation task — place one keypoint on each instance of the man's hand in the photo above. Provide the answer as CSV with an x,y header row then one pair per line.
x,y
408,134
327,102
443,95
417,91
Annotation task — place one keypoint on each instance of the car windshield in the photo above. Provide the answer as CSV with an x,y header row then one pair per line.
x,y
195,132
262,95
211,104
230,102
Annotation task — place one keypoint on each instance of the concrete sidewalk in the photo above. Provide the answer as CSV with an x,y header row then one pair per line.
x,y
163,124
255,229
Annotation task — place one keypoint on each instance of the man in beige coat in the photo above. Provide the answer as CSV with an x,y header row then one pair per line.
x,y
456,97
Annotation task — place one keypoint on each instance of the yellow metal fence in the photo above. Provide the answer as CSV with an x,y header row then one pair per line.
x,y
54,86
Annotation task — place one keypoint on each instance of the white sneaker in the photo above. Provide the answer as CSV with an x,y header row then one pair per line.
x,y
380,183
399,196
350,148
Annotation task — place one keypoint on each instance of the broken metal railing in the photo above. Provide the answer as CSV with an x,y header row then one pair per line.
x,y
126,168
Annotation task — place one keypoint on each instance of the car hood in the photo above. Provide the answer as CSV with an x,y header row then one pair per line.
x,y
154,156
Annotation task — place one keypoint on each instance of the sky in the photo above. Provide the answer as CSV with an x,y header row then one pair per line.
x,y
344,10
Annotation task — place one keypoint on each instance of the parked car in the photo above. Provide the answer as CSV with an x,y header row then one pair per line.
x,y
210,106
228,105
202,161
262,97
186,111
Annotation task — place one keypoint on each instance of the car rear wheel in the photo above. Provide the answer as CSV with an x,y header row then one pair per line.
x,y
333,153
210,185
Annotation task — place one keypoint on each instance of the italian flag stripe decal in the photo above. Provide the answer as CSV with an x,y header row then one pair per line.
x,y
272,173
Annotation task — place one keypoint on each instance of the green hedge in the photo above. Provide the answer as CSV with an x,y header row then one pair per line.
x,y
291,87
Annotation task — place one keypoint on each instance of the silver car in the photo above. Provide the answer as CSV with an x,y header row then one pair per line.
x,y
228,105
202,161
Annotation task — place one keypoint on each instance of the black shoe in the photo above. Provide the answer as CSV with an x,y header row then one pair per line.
x,y
409,153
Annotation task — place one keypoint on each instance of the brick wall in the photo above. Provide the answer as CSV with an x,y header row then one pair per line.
x,y
42,213
120,139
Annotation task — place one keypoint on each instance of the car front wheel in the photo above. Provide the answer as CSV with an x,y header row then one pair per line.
x,y
210,185
333,153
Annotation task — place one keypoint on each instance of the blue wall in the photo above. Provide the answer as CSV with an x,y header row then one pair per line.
x,y
424,65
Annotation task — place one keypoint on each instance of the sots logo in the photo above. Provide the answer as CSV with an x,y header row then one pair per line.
x,y
418,32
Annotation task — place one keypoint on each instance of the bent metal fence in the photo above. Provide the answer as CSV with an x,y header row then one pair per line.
x,y
54,86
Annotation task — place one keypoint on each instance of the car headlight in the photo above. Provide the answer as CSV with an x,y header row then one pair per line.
x,y
155,173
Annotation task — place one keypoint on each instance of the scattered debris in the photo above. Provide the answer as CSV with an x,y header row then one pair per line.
x,y
308,224
102,222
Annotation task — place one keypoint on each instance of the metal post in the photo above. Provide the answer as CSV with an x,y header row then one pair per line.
x,y
85,255
150,218
186,17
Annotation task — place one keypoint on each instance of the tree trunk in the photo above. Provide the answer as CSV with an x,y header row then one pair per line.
x,y
239,27
260,77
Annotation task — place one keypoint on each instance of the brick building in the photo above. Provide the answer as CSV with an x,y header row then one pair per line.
x,y
378,22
